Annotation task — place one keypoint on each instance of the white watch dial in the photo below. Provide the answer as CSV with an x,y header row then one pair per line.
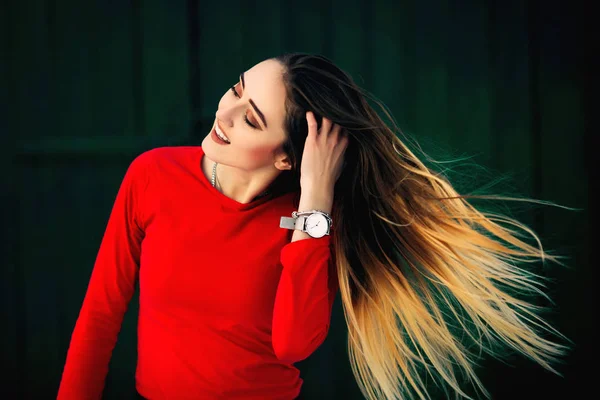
x,y
316,225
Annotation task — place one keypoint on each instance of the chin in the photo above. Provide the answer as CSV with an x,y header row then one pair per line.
x,y
208,145
205,141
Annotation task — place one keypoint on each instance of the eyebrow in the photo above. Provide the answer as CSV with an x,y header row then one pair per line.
x,y
260,114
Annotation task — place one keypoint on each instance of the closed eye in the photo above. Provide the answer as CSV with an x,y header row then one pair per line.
x,y
235,93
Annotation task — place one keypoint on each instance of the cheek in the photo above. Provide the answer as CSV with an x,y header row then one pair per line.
x,y
255,153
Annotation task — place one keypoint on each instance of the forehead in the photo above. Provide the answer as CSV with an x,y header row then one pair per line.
x,y
264,85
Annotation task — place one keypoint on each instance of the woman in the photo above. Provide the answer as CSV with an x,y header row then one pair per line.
x,y
235,286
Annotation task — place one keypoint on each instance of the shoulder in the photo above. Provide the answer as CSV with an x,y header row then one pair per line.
x,y
163,164
165,155
149,170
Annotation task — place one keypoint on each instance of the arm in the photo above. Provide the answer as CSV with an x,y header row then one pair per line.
x,y
306,290
109,291
308,282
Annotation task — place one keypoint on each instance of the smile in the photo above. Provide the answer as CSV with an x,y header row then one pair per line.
x,y
220,133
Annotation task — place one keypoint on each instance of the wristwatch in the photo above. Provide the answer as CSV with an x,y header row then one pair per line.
x,y
314,222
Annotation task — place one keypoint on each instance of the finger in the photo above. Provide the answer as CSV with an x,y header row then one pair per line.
x,y
345,135
335,131
326,126
312,124
343,140
323,132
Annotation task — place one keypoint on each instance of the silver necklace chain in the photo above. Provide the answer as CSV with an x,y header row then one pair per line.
x,y
213,180
214,175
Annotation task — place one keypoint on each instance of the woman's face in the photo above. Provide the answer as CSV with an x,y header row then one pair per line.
x,y
251,115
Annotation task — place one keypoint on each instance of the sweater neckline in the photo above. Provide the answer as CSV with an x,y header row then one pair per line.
x,y
220,197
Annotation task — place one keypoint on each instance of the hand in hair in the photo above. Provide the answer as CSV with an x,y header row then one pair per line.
x,y
323,156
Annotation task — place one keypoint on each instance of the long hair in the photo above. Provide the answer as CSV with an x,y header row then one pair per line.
x,y
427,280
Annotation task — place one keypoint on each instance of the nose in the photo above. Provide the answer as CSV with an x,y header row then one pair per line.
x,y
225,116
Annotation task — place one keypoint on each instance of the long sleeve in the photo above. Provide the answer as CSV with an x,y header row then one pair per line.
x,y
304,298
109,291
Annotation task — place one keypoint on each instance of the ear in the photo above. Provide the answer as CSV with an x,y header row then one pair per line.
x,y
282,162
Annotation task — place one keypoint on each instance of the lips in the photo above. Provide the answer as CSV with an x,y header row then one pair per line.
x,y
217,139
221,134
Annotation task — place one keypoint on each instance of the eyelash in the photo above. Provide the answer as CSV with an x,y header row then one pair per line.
x,y
245,116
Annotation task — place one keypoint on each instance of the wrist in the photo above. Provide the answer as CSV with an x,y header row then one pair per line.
x,y
316,199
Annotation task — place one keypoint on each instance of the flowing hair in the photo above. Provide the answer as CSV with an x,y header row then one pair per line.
x,y
428,282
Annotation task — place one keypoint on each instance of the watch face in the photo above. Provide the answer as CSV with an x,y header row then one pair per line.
x,y
316,225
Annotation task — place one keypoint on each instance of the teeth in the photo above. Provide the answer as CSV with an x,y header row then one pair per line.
x,y
221,134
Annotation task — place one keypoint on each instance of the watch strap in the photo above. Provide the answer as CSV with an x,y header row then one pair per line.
x,y
299,219
292,223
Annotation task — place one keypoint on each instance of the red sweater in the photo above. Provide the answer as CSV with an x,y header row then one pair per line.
x,y
227,302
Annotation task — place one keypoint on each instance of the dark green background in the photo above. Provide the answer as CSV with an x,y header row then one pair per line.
x,y
88,85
